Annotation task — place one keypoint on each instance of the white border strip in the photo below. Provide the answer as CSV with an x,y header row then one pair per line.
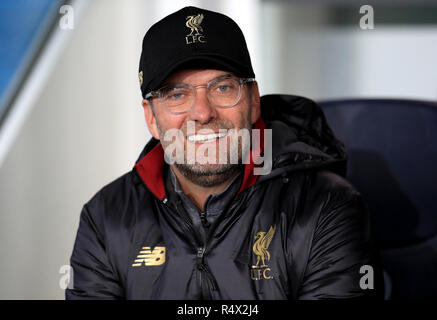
x,y
32,87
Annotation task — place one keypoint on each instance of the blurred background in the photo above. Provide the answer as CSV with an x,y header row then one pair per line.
x,y
71,119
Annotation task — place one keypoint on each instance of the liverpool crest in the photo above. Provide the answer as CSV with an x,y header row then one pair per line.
x,y
196,31
261,270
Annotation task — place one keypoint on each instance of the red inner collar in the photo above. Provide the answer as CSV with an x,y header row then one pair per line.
x,y
150,166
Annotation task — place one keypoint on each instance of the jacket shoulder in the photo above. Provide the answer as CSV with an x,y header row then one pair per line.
x,y
331,196
333,183
111,193
113,201
316,189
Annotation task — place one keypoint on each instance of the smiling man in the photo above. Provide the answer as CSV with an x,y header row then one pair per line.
x,y
217,105
234,197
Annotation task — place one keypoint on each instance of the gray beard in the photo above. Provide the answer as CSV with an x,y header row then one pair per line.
x,y
206,177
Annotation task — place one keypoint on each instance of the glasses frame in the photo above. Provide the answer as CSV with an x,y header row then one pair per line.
x,y
158,93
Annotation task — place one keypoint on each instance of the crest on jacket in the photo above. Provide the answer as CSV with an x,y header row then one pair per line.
x,y
261,270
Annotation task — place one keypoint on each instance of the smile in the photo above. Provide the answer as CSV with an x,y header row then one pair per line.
x,y
203,138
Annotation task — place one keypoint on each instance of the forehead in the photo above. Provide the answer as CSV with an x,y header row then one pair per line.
x,y
195,76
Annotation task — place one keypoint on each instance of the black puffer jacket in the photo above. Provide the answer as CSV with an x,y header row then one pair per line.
x,y
300,232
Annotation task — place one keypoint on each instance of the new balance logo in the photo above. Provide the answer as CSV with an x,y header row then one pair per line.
x,y
150,257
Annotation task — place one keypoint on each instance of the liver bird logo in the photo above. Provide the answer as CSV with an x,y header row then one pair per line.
x,y
261,245
193,22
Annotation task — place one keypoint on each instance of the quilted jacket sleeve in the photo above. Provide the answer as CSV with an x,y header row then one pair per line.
x,y
343,260
93,277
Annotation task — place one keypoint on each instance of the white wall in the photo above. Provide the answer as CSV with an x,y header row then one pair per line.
x,y
84,130
306,55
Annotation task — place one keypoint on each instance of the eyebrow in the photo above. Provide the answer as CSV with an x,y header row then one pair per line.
x,y
223,76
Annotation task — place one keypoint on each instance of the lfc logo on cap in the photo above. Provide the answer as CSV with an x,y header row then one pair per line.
x,y
196,34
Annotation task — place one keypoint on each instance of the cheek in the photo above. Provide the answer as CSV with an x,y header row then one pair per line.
x,y
240,117
166,122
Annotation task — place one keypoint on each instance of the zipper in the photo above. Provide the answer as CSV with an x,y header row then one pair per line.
x,y
204,270
205,222
186,220
201,266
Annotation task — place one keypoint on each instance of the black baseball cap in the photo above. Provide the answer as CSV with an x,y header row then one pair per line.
x,y
192,38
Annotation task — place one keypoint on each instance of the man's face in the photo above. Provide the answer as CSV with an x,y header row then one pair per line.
x,y
204,116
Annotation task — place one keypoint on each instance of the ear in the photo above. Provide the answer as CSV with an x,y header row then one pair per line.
x,y
255,103
150,119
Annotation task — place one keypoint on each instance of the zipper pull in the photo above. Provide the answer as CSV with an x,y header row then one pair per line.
x,y
205,222
200,253
201,266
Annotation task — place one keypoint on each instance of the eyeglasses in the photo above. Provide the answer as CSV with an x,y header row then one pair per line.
x,y
222,92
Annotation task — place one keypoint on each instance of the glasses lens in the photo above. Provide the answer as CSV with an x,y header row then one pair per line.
x,y
224,92
177,98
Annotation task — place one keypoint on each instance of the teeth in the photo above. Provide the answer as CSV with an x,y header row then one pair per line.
x,y
206,137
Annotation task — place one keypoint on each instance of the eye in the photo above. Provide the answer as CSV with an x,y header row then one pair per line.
x,y
227,87
174,94
223,88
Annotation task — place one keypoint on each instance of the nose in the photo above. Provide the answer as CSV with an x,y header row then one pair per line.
x,y
202,111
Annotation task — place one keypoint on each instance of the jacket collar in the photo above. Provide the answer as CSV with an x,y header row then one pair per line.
x,y
150,167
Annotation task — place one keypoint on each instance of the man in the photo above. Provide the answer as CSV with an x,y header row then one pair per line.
x,y
180,227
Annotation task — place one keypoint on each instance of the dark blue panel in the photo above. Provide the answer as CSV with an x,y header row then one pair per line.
x,y
23,25
392,147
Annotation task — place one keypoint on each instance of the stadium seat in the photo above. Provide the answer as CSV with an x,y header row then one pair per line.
x,y
392,149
